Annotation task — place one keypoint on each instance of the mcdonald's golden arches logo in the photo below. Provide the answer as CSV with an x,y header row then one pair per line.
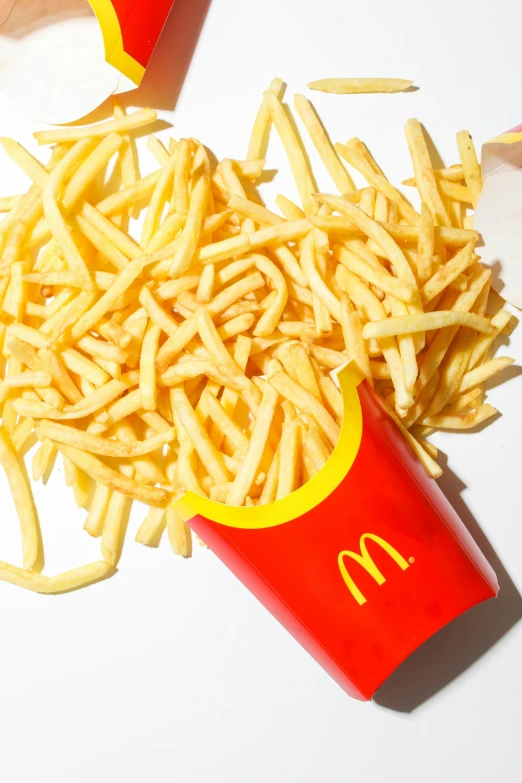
x,y
365,560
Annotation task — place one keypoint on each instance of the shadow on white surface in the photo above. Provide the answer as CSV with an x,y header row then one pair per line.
x,y
461,643
171,58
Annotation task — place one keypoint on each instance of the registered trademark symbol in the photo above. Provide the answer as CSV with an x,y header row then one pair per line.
x,y
411,560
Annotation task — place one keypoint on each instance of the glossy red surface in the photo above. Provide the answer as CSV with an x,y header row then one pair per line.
x,y
141,23
293,568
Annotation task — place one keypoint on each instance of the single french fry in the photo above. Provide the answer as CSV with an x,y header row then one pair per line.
x,y
323,145
23,500
342,86
353,337
199,196
98,510
54,217
61,583
288,460
470,165
159,197
426,244
296,158
261,128
148,383
179,533
151,529
250,465
424,176
114,527
419,323
94,444
129,122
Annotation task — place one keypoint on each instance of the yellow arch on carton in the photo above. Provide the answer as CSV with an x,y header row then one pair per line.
x,y
113,41
306,497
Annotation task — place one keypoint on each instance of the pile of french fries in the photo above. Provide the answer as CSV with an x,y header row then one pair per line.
x,y
195,354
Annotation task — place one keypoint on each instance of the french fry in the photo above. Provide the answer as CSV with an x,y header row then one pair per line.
x,y
61,583
296,158
259,136
179,533
424,176
419,323
98,510
250,465
353,337
210,457
355,86
113,531
462,421
319,137
100,472
288,460
55,219
23,500
195,217
94,444
130,122
151,529
149,351
483,372
470,165
159,197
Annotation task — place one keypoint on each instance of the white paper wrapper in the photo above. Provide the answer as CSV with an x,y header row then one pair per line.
x,y
52,59
498,216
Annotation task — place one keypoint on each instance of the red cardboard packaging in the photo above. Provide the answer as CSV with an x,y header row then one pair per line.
x,y
364,562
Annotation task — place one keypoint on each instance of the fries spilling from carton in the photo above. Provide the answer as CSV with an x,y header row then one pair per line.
x,y
196,356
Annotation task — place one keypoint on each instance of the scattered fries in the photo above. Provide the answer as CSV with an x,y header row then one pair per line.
x,y
198,358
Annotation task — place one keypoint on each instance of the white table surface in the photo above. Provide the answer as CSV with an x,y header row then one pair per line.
x,y
172,671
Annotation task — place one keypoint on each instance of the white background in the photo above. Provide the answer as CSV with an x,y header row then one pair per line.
x,y
171,670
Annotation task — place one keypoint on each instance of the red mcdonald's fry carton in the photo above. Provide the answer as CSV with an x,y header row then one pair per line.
x,y
364,562
60,59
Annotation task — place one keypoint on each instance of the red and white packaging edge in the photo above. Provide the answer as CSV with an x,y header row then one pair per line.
x,y
60,59
498,216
